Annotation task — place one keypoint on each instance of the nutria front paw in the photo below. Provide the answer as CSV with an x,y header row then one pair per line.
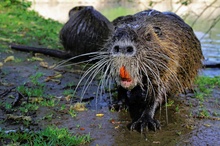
x,y
145,122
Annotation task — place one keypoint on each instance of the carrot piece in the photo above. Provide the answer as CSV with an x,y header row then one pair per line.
x,y
124,74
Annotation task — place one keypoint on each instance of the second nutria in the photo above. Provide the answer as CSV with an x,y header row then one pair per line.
x,y
85,31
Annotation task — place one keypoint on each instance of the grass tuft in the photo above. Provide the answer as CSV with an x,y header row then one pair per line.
x,y
48,136
26,27
205,86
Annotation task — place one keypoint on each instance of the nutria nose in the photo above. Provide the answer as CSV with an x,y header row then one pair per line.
x,y
126,50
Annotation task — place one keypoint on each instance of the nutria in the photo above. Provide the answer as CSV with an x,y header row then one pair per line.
x,y
85,31
150,55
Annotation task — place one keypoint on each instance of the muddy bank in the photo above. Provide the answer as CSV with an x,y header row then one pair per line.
x,y
186,124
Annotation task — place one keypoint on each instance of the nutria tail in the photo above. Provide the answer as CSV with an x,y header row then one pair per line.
x,y
85,31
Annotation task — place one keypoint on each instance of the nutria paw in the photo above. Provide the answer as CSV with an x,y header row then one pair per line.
x,y
146,122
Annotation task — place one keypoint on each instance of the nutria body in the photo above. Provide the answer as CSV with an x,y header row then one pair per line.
x,y
150,56
85,31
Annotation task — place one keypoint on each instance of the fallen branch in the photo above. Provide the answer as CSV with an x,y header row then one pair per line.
x,y
45,51
211,65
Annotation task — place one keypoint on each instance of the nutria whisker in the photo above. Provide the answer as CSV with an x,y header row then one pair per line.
x,y
149,82
154,57
76,57
91,73
173,75
104,77
155,74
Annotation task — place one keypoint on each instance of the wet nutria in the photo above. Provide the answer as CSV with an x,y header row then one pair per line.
x,y
150,56
85,31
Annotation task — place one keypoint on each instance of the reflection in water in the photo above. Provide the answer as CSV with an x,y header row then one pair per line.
x,y
210,42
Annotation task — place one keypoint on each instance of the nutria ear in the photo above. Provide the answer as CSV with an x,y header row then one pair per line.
x,y
158,31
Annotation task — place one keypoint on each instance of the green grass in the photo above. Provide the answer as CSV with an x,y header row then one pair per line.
x,y
37,90
35,78
49,103
69,92
21,26
31,91
48,136
205,86
28,107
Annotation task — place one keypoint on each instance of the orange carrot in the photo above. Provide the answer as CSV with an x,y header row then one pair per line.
x,y
124,74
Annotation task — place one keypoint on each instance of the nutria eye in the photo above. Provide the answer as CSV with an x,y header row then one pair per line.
x,y
158,31
148,37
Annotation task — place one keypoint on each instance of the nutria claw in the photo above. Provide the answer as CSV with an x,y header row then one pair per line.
x,y
146,123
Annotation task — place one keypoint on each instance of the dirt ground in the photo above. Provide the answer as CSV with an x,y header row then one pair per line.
x,y
185,125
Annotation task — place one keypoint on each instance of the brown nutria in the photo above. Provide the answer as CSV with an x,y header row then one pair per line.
x,y
85,31
150,55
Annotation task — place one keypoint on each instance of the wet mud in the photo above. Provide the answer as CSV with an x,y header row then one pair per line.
x,y
186,125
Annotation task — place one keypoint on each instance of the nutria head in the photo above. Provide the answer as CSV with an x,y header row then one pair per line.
x,y
137,57
123,52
